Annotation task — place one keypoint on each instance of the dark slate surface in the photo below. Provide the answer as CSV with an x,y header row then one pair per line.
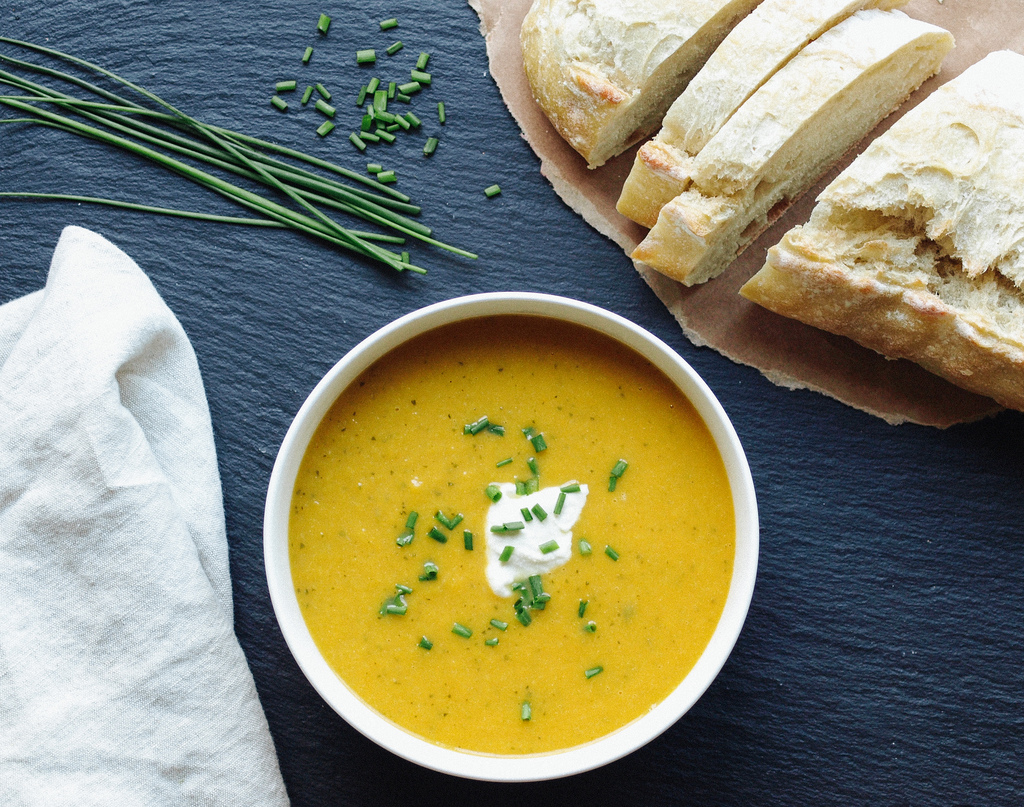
x,y
882,658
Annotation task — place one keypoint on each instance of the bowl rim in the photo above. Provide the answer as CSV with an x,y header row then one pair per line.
x,y
474,765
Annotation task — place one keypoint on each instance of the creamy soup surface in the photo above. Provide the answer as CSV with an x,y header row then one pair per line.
x,y
395,443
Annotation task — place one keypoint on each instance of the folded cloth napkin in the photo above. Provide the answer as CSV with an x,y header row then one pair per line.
x,y
121,679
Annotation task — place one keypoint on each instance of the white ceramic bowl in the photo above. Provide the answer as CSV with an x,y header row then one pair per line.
x,y
481,766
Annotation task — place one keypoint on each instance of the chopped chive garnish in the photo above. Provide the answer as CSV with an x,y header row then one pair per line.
x,y
612,482
395,47
307,94
368,56
410,522
374,168
386,24
437,535
493,492
324,108
528,432
491,642
620,468
503,463
392,89
380,102
461,630
440,112
560,503
355,139
538,442
421,62
307,55
404,589
285,86
524,711
430,147
593,671
532,464
585,548
583,607
370,137
430,571
523,616
323,24
405,538
320,88
520,487
405,259
540,512
279,103
467,539
403,122
401,96
570,487
513,526
611,553
397,610
361,98
476,426
385,136
410,87
506,553
425,643
450,523
386,177
590,627
413,120
490,192
420,76
548,547
327,127
536,584
499,624
391,127
494,428
527,515
372,85
395,606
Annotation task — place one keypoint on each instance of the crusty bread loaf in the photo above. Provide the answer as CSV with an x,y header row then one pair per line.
x,y
764,41
787,134
917,249
605,71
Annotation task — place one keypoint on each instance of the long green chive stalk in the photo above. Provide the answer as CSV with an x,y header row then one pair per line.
x,y
122,123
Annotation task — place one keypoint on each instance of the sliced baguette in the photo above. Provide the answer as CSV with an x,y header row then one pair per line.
x,y
764,41
787,134
917,249
605,71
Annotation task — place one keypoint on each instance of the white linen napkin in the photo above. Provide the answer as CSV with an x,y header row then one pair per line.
x,y
121,679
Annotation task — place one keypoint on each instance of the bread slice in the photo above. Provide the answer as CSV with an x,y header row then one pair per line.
x,y
605,71
787,134
917,249
764,41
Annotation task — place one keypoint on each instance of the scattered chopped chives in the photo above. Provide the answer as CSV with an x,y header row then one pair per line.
x,y
477,426
327,127
370,137
506,553
612,482
380,101
405,257
425,643
413,120
372,85
493,492
590,627
494,428
585,548
285,86
593,671
467,539
356,140
532,465
403,122
620,468
405,538
527,515
560,503
324,108
401,96
387,176
450,523
540,512
491,642
524,617
528,432
437,535
548,547
395,609
583,608
513,526
430,571
409,87
368,56
440,112
366,124
420,76
499,624
430,147
536,585
375,168
502,463
490,192
538,441
392,89
307,94
385,136
307,55
461,630
323,24
279,103
524,711
386,24
361,98
395,47
403,588
391,127
320,88
421,62
611,553
570,487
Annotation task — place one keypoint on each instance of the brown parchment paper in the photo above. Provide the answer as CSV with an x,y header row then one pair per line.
x,y
787,352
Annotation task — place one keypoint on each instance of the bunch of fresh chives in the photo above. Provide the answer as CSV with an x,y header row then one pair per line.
x,y
156,134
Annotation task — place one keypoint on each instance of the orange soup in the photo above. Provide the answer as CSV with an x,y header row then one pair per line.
x,y
390,539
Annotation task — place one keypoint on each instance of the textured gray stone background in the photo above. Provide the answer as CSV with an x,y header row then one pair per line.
x,y
882,658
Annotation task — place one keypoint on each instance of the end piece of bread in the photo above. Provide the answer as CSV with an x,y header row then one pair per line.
x,y
762,43
917,249
787,134
605,71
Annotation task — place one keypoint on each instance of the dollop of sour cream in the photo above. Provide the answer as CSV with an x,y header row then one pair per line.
x,y
527,558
